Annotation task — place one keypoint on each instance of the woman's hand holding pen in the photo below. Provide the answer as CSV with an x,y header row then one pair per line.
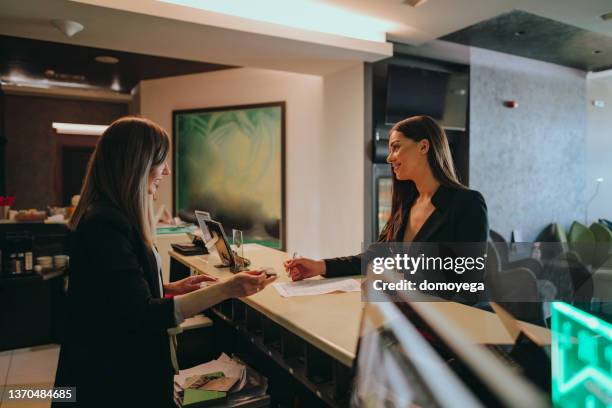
x,y
302,268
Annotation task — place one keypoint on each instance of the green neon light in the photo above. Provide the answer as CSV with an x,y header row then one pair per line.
x,y
591,321
581,358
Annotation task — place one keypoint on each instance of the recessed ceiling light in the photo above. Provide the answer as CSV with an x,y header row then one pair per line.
x,y
519,33
107,59
607,16
597,51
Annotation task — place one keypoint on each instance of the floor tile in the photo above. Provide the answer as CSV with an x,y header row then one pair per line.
x,y
5,362
33,365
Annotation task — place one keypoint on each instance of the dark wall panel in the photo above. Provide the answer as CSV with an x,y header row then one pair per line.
x,y
2,147
30,157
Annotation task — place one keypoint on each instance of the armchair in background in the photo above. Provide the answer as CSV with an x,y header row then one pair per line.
x,y
515,289
503,251
554,234
603,245
606,222
602,275
563,265
582,241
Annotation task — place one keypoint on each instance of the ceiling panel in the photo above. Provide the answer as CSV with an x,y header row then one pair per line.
x,y
531,36
74,65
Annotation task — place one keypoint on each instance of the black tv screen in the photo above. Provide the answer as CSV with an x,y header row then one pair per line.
x,y
414,91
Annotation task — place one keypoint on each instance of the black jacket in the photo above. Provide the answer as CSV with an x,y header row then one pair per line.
x,y
116,349
460,215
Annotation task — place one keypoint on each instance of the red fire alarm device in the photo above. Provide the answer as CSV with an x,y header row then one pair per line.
x,y
511,104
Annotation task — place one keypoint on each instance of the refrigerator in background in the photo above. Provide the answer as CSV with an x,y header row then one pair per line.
x,y
382,196
382,182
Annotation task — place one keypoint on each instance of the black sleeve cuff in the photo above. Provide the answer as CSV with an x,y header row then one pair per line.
x,y
344,266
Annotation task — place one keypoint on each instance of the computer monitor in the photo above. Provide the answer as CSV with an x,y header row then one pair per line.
x,y
410,352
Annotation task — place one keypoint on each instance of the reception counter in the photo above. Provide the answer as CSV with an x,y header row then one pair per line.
x,y
314,338
328,322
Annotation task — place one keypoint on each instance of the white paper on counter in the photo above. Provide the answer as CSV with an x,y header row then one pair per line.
x,y
316,287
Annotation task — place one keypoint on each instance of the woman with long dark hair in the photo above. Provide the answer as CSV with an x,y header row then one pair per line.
x,y
116,350
429,204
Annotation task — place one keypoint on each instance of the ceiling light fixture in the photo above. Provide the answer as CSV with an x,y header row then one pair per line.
x,y
19,78
68,27
78,129
415,3
107,59
52,74
317,16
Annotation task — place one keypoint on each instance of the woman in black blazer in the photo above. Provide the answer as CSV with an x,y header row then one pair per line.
x,y
116,350
429,204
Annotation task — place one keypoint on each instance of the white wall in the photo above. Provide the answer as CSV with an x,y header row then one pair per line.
x,y
319,147
599,148
342,161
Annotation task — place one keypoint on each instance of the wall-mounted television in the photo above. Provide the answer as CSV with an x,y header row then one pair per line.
x,y
415,91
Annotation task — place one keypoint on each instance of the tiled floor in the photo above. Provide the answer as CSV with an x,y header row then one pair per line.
x,y
32,367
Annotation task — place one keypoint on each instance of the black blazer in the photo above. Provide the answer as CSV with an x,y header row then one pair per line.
x,y
116,349
460,215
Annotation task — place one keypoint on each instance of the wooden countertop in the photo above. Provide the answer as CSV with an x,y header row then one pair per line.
x,y
331,322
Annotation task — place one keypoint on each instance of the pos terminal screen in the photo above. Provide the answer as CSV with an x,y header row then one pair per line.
x,y
215,237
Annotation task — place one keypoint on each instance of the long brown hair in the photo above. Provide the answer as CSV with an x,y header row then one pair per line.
x,y
118,171
439,159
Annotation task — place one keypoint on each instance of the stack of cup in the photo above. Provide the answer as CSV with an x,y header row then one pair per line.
x,y
60,261
46,262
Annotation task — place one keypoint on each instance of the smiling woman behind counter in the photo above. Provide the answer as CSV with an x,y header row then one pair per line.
x,y
428,202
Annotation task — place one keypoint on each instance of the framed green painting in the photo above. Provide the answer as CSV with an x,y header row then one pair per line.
x,y
230,161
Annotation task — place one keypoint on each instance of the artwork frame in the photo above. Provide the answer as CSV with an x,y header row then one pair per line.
x,y
237,121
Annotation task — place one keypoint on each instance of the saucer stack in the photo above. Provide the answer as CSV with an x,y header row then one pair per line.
x,y
60,261
46,262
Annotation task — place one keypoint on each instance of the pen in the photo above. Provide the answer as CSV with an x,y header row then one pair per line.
x,y
294,256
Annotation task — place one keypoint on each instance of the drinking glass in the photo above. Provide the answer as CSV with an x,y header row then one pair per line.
x,y
237,240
